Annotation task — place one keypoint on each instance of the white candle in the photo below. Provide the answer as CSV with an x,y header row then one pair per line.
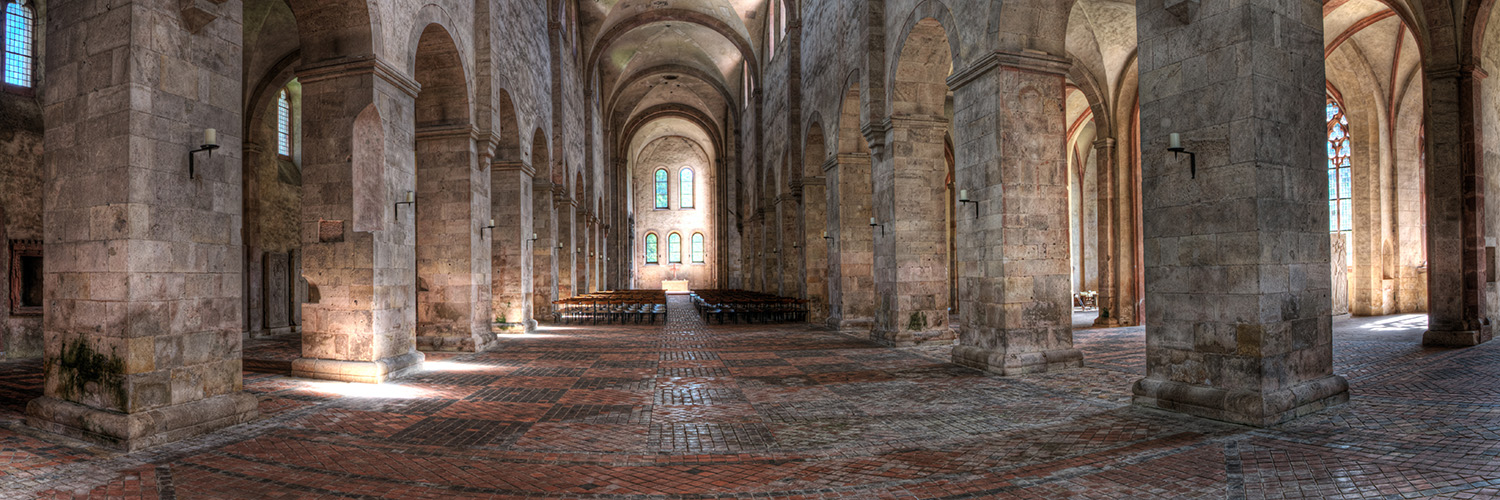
x,y
411,197
492,222
210,137
872,221
825,235
963,195
1176,140
533,236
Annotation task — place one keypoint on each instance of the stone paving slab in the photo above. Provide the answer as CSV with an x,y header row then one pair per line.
x,y
687,411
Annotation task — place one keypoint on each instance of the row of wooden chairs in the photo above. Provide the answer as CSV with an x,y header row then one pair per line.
x,y
612,306
750,307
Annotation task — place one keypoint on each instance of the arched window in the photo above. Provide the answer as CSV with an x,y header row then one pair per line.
x,y
674,248
782,28
1340,187
284,123
19,50
697,248
662,198
651,257
771,33
685,177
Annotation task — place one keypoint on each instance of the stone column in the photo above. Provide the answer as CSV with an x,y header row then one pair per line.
x,y
815,248
1109,303
852,270
452,204
567,210
911,265
581,247
1237,277
543,265
142,272
1016,311
510,241
752,250
793,270
1456,267
358,247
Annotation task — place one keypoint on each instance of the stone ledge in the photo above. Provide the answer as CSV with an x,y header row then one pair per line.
x,y
135,431
368,372
1458,338
1241,406
1003,363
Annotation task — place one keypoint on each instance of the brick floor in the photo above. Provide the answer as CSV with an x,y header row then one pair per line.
x,y
687,411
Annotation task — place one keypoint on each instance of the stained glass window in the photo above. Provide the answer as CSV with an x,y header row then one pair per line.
x,y
662,197
284,124
685,176
1340,188
698,248
1340,184
18,44
674,248
651,248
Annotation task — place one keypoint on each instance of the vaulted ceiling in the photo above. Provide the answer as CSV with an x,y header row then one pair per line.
x,y
679,59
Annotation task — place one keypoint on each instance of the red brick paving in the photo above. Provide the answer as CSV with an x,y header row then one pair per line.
x,y
686,411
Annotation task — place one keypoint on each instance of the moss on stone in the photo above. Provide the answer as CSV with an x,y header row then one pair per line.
x,y
80,365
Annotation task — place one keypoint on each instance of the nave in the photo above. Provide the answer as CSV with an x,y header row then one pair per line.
x,y
684,410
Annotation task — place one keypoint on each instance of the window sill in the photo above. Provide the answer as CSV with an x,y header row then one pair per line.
x,y
18,90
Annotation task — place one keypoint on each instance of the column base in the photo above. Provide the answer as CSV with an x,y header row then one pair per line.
x,y
530,325
910,338
1242,407
1106,322
856,327
1003,363
456,343
366,372
1458,338
136,431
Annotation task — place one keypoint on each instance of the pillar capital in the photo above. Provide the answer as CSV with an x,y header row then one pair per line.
x,y
365,65
1029,61
512,166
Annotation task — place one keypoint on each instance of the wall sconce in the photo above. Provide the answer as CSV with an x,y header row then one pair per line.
x,y
210,143
825,235
411,199
1175,146
873,224
491,227
963,197
559,245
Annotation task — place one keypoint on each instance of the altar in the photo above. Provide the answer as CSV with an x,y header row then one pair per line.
x,y
675,286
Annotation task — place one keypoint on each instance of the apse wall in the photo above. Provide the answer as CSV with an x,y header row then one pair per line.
x,y
673,154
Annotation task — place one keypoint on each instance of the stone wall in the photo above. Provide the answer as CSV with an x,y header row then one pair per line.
x,y
21,167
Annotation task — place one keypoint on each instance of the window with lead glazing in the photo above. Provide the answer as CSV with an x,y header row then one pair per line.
x,y
284,123
662,196
1340,184
685,177
697,248
674,248
19,44
651,257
